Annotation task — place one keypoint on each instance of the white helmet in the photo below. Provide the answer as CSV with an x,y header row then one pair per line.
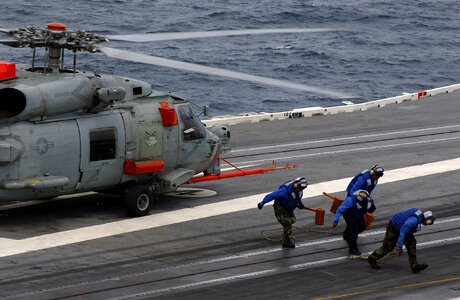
x,y
428,215
302,182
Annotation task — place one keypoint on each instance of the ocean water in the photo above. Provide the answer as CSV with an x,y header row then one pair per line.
x,y
393,46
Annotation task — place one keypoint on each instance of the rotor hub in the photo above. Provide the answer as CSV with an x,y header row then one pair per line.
x,y
54,36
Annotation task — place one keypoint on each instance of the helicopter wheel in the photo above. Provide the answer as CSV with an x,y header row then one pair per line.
x,y
138,200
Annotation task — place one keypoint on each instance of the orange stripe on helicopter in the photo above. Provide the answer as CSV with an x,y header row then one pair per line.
x,y
143,166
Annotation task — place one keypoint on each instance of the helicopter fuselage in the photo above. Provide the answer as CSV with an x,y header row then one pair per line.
x,y
67,133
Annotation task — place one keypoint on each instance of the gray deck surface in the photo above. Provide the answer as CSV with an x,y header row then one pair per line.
x,y
226,257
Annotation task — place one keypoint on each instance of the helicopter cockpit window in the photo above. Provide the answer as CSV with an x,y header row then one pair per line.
x,y
102,144
193,128
137,90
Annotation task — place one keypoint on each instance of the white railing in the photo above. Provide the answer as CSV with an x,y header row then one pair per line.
x,y
315,111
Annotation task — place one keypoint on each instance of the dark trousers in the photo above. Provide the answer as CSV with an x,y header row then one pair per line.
x,y
355,225
389,242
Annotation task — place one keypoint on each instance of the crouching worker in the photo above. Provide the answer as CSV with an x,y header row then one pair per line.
x,y
400,229
353,209
287,197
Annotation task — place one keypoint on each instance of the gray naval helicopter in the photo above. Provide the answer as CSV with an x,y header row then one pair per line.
x,y
64,131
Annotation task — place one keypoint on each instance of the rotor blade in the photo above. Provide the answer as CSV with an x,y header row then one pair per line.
x,y
13,43
164,36
159,61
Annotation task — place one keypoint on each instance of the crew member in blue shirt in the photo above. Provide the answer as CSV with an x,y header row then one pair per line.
x,y
365,180
400,230
287,197
353,209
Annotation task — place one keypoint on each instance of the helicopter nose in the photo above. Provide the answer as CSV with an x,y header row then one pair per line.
x,y
223,133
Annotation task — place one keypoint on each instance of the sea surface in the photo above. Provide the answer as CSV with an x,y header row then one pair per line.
x,y
392,47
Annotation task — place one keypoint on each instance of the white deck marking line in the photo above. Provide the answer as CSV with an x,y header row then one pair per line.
x,y
419,245
195,284
346,138
264,272
232,168
348,150
12,247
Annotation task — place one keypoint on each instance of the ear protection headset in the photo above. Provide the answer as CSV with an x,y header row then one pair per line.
x,y
362,198
377,170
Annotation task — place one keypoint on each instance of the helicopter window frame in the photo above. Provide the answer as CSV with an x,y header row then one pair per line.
x,y
192,127
102,144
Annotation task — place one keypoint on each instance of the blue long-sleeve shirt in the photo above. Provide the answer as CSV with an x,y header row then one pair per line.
x,y
362,181
286,195
406,222
356,208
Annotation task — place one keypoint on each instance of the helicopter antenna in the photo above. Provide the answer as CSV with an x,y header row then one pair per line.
x,y
74,61
62,58
45,58
33,57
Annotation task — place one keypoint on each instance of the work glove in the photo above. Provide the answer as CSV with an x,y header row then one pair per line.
x,y
260,205
400,251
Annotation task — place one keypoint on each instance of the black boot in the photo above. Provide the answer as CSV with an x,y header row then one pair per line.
x,y
288,245
373,263
419,268
354,252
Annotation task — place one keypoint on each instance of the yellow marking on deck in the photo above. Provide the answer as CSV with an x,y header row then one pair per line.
x,y
390,288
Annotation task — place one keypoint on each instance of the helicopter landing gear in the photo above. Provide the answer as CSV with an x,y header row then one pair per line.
x,y
138,200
